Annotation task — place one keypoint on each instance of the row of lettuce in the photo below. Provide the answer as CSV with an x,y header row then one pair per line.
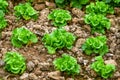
x,y
60,38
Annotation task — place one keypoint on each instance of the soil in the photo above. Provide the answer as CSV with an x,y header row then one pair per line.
x,y
39,62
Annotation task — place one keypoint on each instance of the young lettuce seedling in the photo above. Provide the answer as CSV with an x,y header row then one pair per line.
x,y
62,3
67,64
59,17
58,39
95,45
25,11
111,2
22,36
99,8
73,3
3,22
3,5
14,63
78,3
98,22
102,69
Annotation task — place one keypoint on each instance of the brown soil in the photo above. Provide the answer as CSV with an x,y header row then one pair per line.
x,y
39,62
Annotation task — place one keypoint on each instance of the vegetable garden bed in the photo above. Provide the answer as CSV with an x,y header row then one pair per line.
x,y
60,40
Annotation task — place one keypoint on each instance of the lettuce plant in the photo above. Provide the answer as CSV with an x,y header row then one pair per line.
x,y
95,45
25,11
111,2
78,3
99,8
58,39
30,1
3,5
67,64
97,22
59,17
102,69
21,36
62,3
73,3
3,22
14,63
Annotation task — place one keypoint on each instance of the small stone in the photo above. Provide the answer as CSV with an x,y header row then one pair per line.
x,y
2,63
89,79
36,62
24,76
50,4
32,76
117,74
87,27
85,62
30,66
112,29
111,62
37,71
44,66
75,20
80,59
56,75
77,12
79,42
39,6
117,35
74,49
109,55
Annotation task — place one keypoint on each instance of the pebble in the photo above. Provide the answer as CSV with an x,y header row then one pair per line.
x,y
50,4
85,62
69,79
109,55
32,76
2,63
80,59
79,42
30,66
56,75
117,74
117,35
44,66
111,62
24,76
39,6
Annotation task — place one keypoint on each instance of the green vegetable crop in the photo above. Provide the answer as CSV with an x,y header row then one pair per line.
x,y
30,1
3,22
95,45
97,22
21,36
111,2
58,39
62,3
99,8
78,3
3,5
14,63
73,3
25,11
59,17
67,64
103,70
